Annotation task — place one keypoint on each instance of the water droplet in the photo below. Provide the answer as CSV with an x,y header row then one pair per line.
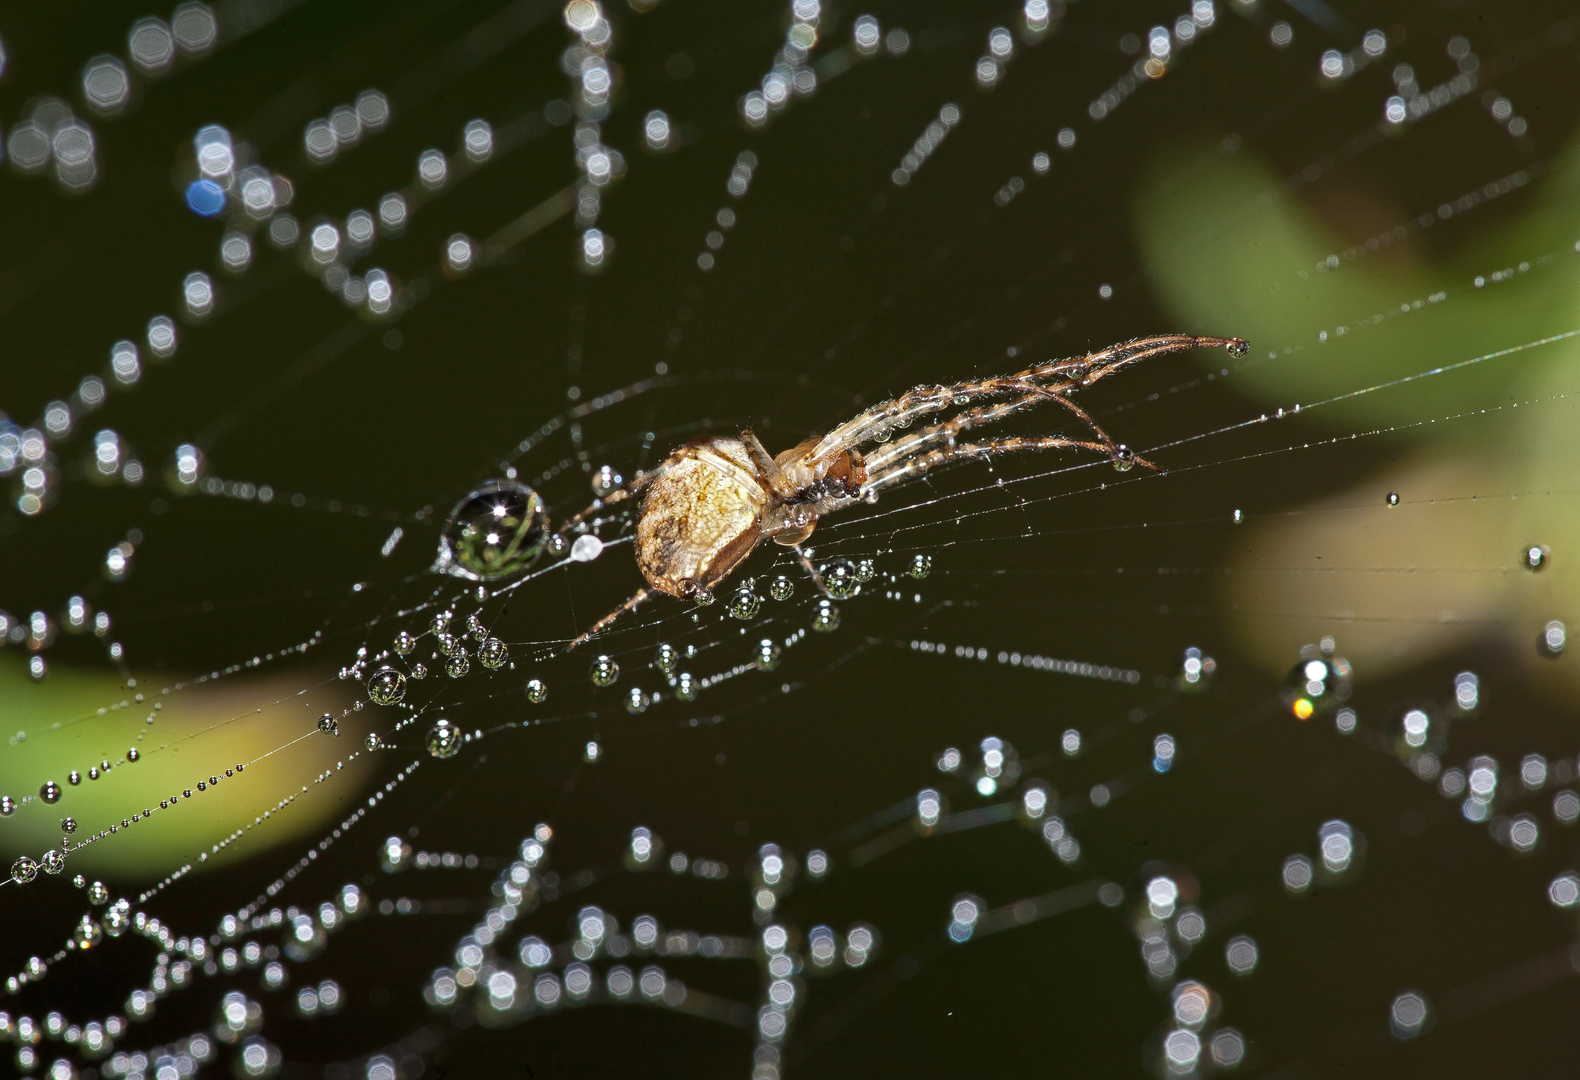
x,y
118,918
88,933
447,643
444,739
50,792
666,659
702,597
498,530
74,778
536,691
745,603
132,755
372,742
636,701
493,654
52,861
586,548
825,617
839,579
440,622
1318,683
1393,498
458,665
605,671
685,687
68,825
7,805
1534,557
866,570
98,894
921,566
475,627
24,870
782,588
404,643
328,724
387,686
606,481
1551,641
419,671
1239,517
1124,458
767,655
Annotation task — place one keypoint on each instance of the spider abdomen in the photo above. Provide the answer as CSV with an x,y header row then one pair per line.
x,y
700,517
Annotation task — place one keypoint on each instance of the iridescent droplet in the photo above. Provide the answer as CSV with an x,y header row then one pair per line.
x,y
50,792
782,588
636,701
24,870
444,739
328,724
685,687
745,603
825,617
604,671
767,657
839,579
536,691
458,665
493,654
496,531
921,566
386,686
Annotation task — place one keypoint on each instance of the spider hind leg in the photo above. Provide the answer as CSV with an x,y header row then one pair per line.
x,y
604,623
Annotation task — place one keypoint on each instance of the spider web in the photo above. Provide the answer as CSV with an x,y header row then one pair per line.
x,y
1040,785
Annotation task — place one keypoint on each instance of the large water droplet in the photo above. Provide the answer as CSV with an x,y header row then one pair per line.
x,y
440,622
52,861
745,603
444,739
447,643
866,570
536,691
493,654
328,724
1124,458
921,566
604,671
386,686
24,870
702,597
825,617
839,579
475,627
781,588
50,792
497,531
458,665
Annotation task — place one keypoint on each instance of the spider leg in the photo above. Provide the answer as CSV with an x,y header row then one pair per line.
x,y
766,466
618,495
812,571
608,620
914,465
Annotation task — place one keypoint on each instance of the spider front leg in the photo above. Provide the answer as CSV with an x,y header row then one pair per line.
x,y
619,495
914,465
607,621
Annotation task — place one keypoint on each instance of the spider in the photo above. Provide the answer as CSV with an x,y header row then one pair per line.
x,y
713,500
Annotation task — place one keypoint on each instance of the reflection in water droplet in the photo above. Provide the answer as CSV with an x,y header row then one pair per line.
x,y
536,691
372,742
866,570
24,870
440,622
702,597
7,805
458,665
604,671
475,627
921,566
386,686
839,579
782,588
328,725
419,671
448,643
50,792
497,531
825,617
492,654
52,861
745,603
404,643
443,740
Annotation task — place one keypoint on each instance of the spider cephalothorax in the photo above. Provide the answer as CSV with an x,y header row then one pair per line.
x,y
713,500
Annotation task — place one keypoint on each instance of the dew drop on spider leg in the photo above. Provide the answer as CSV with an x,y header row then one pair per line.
x,y
497,531
386,686
604,671
536,691
443,739
921,566
745,603
782,588
840,580
328,724
825,617
702,597
1124,458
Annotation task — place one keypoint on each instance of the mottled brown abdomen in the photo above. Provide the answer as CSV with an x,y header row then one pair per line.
x,y
700,517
